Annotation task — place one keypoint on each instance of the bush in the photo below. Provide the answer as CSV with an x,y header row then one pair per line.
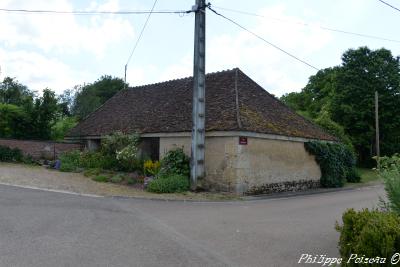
x,y
176,162
337,163
369,234
70,161
353,176
390,172
100,178
117,142
10,154
97,160
117,178
169,184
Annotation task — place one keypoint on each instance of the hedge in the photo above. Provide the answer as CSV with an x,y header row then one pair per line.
x,y
370,234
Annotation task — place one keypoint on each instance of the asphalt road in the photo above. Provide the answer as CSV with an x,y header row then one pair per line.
x,y
39,228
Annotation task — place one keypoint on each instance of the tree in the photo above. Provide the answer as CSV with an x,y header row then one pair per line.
x,y
362,73
44,114
13,121
90,96
12,92
342,97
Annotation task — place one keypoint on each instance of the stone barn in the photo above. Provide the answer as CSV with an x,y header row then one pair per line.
x,y
254,143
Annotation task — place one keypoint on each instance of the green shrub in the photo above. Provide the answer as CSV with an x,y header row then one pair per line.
x,y
100,178
169,184
122,150
98,160
10,154
370,234
353,176
337,163
117,178
118,141
176,162
390,172
68,167
70,161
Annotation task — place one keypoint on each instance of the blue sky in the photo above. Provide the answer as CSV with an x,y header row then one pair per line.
x,y
60,51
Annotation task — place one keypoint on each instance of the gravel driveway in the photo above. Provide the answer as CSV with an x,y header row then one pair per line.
x,y
40,177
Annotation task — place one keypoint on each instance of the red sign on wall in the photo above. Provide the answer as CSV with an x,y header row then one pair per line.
x,y
242,140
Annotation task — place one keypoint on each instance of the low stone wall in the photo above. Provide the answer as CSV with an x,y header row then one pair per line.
x,y
40,149
291,186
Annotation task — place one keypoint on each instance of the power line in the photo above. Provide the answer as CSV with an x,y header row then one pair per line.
x,y
310,25
93,12
261,38
389,5
140,36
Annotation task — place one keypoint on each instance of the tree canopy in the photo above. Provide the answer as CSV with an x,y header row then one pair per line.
x,y
91,96
345,95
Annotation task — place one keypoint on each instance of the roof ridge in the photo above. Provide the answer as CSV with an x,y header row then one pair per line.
x,y
183,78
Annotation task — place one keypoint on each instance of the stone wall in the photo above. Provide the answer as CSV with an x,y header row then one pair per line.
x,y
261,166
40,149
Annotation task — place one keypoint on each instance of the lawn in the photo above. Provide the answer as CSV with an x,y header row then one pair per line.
x,y
368,175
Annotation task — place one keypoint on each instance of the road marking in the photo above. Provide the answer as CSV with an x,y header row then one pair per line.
x,y
52,190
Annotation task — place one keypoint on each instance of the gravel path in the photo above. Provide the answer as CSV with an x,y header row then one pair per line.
x,y
40,177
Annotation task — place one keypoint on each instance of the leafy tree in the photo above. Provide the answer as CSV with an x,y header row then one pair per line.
x,y
61,127
13,121
343,97
45,114
90,96
12,92
362,73
65,102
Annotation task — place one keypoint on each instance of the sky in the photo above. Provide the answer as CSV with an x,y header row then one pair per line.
x,y
59,51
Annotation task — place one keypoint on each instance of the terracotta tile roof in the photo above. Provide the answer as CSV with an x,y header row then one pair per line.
x,y
167,107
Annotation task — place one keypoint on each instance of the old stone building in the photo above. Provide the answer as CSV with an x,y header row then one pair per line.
x,y
254,143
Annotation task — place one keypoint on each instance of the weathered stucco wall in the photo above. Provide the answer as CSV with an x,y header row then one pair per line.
x,y
261,166
220,161
276,162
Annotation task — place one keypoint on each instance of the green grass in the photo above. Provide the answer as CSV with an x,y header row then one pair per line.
x,y
368,175
100,178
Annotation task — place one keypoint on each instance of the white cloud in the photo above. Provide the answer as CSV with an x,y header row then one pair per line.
x,y
63,33
39,72
275,71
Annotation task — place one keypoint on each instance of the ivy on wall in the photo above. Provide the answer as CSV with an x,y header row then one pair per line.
x,y
337,163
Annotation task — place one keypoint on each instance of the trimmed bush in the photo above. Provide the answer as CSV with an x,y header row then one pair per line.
x,y
175,162
10,154
336,161
174,183
369,234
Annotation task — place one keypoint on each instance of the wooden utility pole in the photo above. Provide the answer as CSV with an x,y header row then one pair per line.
x,y
377,128
198,130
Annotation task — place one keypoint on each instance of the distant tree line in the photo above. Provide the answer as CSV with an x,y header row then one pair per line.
x,y
25,114
341,100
